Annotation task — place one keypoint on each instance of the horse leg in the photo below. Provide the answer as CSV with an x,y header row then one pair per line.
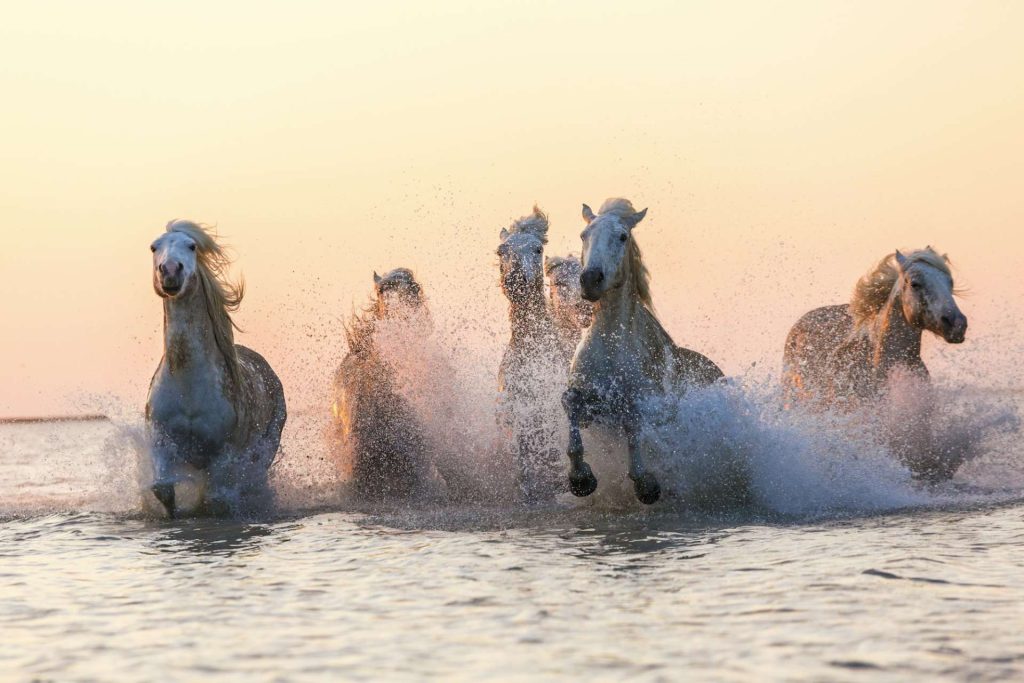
x,y
582,481
645,484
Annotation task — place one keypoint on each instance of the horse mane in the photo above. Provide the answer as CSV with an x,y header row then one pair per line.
x,y
873,290
221,295
621,208
535,224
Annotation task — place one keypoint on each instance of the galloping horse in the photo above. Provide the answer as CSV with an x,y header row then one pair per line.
x,y
532,366
569,310
848,354
372,417
626,355
216,409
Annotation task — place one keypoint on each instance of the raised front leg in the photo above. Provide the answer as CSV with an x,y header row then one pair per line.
x,y
582,481
645,484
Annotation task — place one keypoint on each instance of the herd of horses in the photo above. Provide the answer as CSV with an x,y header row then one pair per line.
x,y
216,409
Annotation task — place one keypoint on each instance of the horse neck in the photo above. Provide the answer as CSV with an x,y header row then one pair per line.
x,y
621,311
567,326
189,341
528,315
894,340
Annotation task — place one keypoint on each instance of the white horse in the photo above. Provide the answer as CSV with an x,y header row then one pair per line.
x,y
216,409
626,356
532,367
847,355
569,310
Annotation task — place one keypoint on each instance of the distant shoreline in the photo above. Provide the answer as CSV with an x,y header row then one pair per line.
x,y
54,418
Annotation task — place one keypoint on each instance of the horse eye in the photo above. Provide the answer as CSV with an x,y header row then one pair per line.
x,y
537,250
915,285
622,237
192,247
152,248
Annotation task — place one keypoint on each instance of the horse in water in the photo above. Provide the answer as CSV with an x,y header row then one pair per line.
x,y
569,310
532,366
626,356
216,409
372,418
851,354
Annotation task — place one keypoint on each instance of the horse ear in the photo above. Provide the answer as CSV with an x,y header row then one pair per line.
x,y
504,234
636,218
376,278
588,213
901,260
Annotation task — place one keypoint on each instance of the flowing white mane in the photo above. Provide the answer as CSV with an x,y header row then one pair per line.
x,y
873,289
221,295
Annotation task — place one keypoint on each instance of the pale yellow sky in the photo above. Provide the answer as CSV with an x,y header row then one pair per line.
x,y
780,147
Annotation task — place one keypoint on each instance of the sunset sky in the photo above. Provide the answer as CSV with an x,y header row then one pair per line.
x,y
781,148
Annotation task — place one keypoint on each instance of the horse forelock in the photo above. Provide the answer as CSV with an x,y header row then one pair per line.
x,y
617,206
873,290
535,224
221,296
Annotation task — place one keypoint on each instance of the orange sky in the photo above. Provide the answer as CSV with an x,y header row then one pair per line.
x,y
780,147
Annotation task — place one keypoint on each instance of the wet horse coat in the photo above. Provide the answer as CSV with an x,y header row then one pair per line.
x,y
848,355
215,410
626,356
373,420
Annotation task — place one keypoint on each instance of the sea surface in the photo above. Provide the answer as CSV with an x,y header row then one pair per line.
x,y
810,582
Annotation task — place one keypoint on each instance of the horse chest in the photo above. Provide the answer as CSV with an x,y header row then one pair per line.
x,y
187,409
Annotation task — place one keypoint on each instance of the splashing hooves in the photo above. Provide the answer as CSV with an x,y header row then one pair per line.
x,y
164,492
647,488
582,481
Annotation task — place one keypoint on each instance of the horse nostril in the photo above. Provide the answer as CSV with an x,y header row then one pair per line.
x,y
590,279
947,321
180,267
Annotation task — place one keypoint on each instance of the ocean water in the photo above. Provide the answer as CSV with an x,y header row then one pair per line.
x,y
835,565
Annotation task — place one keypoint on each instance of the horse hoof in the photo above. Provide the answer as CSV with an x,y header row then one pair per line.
x,y
582,481
165,494
647,488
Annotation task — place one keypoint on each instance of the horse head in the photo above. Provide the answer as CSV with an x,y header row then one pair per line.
x,y
521,257
398,293
567,302
608,247
925,289
174,263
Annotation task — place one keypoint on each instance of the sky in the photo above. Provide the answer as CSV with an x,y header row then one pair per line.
x,y
781,149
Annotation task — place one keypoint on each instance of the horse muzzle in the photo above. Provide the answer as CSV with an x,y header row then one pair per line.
x,y
592,284
954,328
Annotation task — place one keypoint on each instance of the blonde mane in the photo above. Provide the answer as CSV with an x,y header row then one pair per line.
x,y
222,297
621,208
873,290
535,224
